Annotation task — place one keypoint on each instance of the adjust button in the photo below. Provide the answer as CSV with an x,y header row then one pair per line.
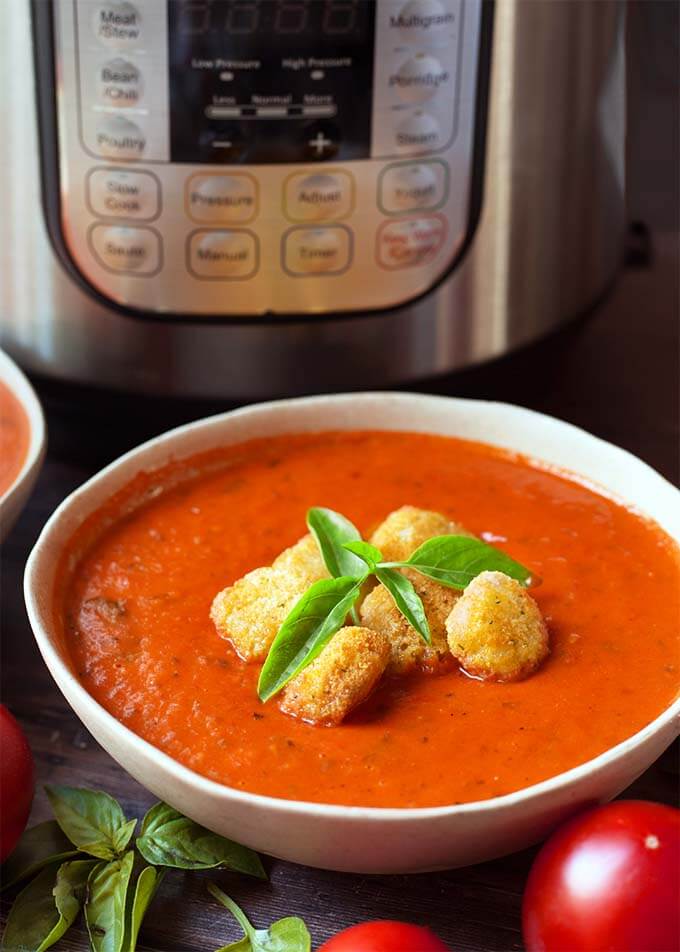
x,y
412,186
222,198
117,193
127,250
118,138
419,78
308,251
413,241
320,196
120,83
117,25
222,255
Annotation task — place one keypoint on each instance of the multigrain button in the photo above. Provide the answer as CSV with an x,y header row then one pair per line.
x,y
309,251
422,19
419,78
117,193
119,138
222,255
419,132
120,83
222,198
319,196
117,25
131,250
412,186
414,241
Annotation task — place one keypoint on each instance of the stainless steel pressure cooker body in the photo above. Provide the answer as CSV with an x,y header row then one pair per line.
x,y
248,197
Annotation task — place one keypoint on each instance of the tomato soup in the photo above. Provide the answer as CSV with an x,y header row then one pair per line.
x,y
14,437
135,591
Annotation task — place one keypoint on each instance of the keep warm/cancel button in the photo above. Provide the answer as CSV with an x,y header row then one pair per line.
x,y
224,255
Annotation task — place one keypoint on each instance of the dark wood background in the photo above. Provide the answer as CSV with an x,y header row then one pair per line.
x,y
614,373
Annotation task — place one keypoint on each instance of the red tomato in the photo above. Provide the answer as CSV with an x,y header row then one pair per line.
x,y
609,879
385,936
16,782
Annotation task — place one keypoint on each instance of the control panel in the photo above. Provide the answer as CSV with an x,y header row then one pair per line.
x,y
252,157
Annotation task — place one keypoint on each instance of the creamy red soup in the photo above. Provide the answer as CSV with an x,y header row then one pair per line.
x,y
135,590
14,437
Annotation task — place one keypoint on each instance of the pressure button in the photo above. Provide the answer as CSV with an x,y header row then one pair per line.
x,y
117,25
319,197
128,250
221,198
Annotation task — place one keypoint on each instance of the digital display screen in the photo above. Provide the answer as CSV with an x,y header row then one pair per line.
x,y
269,81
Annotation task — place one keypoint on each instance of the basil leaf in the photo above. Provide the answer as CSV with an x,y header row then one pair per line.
x,y
107,890
92,820
312,622
146,888
170,839
331,530
366,552
407,600
46,908
286,935
42,844
455,560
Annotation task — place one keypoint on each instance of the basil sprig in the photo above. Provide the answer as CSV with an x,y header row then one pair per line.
x,y
319,614
285,935
104,875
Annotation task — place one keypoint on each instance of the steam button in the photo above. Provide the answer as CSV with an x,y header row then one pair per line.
x,y
318,197
118,138
128,250
223,255
309,251
417,133
120,83
117,25
419,78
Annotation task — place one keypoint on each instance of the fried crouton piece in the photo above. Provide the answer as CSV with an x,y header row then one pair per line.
x,y
342,676
496,630
250,612
407,648
405,529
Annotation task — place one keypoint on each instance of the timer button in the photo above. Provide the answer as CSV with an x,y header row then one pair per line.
x,y
411,242
412,186
320,251
117,25
116,193
127,250
222,255
319,196
419,132
419,78
118,138
221,198
120,83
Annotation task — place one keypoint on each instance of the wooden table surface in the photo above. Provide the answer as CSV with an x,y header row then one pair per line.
x,y
614,373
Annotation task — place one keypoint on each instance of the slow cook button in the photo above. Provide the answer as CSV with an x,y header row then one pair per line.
x,y
120,83
319,251
412,186
419,78
318,197
128,250
405,244
222,198
117,25
419,132
116,193
118,138
223,255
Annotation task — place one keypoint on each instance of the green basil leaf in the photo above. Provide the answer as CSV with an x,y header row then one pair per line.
x,y
366,552
286,935
146,888
170,839
313,621
331,530
105,906
455,560
123,835
407,600
46,908
91,819
42,844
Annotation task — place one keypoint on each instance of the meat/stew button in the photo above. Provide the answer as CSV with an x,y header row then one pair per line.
x,y
410,242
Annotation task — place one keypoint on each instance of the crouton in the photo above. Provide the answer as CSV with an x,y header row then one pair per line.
x,y
496,630
407,648
342,676
250,612
405,529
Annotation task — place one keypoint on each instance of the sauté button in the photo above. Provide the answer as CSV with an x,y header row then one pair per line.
x,y
414,241
131,250
417,133
117,193
412,186
221,198
419,78
118,138
117,25
120,83
223,255
318,251
318,197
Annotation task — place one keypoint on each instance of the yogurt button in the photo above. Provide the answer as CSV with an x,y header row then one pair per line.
x,y
118,138
419,78
131,250
221,198
120,83
116,193
319,251
418,185
117,25
222,255
419,132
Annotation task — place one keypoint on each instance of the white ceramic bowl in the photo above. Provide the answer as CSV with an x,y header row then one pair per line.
x,y
356,839
13,499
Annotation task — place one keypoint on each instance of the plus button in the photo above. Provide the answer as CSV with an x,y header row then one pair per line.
x,y
320,144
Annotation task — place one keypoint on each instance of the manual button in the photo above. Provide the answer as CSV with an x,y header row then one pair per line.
x,y
117,193
222,255
127,250
320,196
319,251
222,198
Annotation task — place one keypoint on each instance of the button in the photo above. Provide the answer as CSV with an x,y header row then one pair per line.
x,y
419,132
115,193
320,196
117,25
223,255
419,78
320,140
404,244
118,138
421,19
120,83
221,198
222,145
412,186
129,250
317,250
